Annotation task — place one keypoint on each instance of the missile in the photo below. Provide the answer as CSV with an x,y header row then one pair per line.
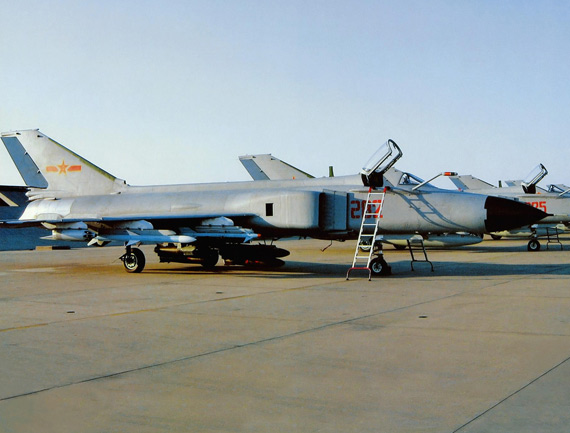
x,y
133,238
69,235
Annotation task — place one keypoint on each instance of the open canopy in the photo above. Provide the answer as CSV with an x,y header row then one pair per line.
x,y
384,158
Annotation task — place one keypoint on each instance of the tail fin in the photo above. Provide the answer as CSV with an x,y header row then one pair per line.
x,y
44,163
267,167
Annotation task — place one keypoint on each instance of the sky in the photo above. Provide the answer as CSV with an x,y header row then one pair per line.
x,y
174,91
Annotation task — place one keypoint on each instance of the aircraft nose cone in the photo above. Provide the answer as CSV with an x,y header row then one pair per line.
x,y
506,214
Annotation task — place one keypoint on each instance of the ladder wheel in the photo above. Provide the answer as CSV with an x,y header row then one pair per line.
x,y
365,246
379,267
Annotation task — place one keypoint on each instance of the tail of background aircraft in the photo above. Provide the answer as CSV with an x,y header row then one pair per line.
x,y
56,170
468,182
267,167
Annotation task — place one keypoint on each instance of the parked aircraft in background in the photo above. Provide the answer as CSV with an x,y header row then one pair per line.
x,y
555,201
77,200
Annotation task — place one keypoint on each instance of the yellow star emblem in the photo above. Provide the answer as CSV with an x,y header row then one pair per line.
x,y
62,168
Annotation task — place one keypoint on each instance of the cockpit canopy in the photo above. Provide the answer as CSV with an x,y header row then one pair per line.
x,y
535,176
384,158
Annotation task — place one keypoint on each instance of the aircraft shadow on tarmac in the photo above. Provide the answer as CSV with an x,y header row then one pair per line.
x,y
497,248
400,269
494,247
481,269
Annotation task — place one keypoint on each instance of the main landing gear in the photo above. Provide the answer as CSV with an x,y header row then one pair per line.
x,y
133,260
258,256
552,237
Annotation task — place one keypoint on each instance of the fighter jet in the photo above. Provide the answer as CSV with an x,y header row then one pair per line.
x,y
268,167
198,223
555,201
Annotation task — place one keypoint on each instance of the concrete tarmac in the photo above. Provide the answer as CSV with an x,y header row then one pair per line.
x,y
480,345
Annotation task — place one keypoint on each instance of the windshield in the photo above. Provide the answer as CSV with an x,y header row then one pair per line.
x,y
409,179
559,189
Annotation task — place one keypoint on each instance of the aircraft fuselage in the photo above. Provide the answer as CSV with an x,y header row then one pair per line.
x,y
314,207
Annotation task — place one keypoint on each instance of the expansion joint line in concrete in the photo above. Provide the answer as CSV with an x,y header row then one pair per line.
x,y
536,379
225,349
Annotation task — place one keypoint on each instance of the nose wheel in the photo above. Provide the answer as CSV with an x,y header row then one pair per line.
x,y
533,245
379,267
133,260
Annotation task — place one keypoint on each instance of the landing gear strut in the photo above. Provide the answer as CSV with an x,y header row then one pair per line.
x,y
133,260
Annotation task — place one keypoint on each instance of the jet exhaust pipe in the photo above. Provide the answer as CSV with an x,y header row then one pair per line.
x,y
506,214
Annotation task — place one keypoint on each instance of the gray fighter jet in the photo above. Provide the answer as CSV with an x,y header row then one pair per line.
x,y
198,223
555,201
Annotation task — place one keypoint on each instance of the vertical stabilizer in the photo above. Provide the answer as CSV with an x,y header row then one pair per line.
x,y
59,172
267,167
466,182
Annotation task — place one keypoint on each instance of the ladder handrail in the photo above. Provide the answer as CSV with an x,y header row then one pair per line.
x,y
552,237
419,246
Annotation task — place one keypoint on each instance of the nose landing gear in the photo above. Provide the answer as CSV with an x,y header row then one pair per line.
x,y
533,245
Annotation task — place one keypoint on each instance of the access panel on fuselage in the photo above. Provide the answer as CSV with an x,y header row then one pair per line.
x,y
333,211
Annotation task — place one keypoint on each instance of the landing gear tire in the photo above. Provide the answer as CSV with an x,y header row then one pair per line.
x,y
379,267
533,245
211,259
134,261
496,237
